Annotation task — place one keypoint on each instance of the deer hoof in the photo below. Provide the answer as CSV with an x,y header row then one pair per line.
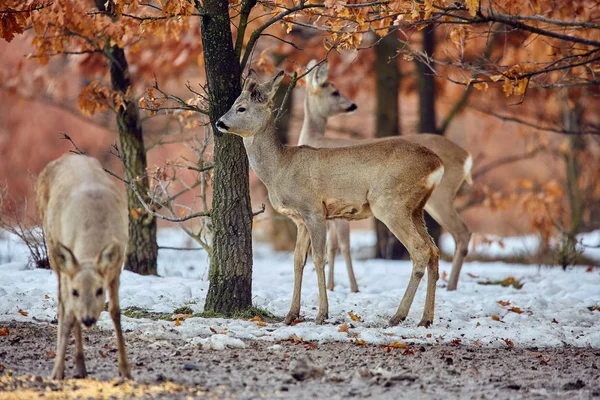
x,y
125,372
426,322
451,287
321,317
354,290
291,317
396,319
57,375
330,287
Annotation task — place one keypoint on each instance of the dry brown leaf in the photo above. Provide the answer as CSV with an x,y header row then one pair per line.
x,y
256,318
360,342
516,310
445,276
477,324
46,296
177,322
181,316
296,338
397,345
354,317
456,341
50,355
589,269
496,318
311,345
477,343
509,343
297,321
504,303
4,332
343,328
261,323
213,330
554,321
23,313
428,336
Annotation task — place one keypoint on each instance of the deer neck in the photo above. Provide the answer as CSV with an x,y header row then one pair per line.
x,y
265,152
314,124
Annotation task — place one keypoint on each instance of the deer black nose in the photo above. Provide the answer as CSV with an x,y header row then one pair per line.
x,y
221,125
353,107
89,322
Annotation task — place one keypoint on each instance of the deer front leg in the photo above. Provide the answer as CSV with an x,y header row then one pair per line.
x,y
115,315
79,357
65,324
318,238
332,247
300,255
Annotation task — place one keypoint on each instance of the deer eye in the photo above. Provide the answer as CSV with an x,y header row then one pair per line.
x,y
335,94
75,293
99,292
241,109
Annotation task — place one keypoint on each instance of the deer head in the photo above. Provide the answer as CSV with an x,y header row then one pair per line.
x,y
252,108
322,96
86,281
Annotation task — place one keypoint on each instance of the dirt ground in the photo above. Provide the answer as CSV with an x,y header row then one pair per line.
x,y
172,369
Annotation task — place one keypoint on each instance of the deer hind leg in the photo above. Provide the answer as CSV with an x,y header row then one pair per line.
x,y
408,226
300,255
115,315
332,247
343,231
443,211
317,230
79,357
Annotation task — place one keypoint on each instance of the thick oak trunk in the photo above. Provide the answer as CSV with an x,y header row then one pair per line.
x,y
230,287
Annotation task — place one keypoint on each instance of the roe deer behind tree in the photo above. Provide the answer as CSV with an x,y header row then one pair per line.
x,y
85,222
323,101
391,180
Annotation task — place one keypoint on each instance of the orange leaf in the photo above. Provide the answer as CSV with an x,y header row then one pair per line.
x,y
456,341
134,213
445,276
4,332
589,269
256,318
504,303
428,336
343,328
516,310
213,330
23,313
397,345
360,342
296,338
477,324
477,343
177,322
509,343
311,345
354,317
46,296
261,323
496,318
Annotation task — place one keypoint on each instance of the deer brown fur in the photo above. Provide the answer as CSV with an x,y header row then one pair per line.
x,y
391,180
85,223
323,101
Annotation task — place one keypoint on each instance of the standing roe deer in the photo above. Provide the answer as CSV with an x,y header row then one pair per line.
x,y
323,101
391,180
85,222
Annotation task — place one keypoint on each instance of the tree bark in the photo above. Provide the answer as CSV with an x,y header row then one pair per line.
x,y
427,116
142,249
230,287
387,123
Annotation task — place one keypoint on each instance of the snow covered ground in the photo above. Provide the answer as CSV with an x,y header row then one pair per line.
x,y
551,309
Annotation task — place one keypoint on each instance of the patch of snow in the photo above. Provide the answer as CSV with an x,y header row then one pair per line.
x,y
554,302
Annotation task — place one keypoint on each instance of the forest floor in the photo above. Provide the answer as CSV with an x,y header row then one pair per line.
x,y
293,369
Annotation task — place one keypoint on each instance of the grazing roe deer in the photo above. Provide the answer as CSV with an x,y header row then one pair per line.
x,y
85,222
391,180
323,101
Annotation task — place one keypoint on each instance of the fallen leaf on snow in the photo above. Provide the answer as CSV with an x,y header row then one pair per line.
x,y
496,318
343,328
428,336
297,321
397,345
23,313
177,322
360,342
261,323
589,269
354,317
509,343
516,310
472,275
256,318
213,330
181,316
456,341
445,276
504,303
477,324
554,321
4,332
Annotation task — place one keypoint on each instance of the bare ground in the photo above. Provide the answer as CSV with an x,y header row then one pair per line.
x,y
262,370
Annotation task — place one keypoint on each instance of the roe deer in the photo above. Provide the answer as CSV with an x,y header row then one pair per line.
x,y
391,180
323,101
85,222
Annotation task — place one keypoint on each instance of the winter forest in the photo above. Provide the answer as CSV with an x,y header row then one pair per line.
x,y
299,198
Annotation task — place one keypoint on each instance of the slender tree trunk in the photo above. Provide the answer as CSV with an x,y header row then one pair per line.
x,y
283,230
427,118
230,287
387,123
142,249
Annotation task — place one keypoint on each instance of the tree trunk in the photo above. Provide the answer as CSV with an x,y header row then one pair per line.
x,y
142,249
283,230
427,121
230,287
387,123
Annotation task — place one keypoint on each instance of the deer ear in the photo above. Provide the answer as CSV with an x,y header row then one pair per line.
x,y
65,260
109,259
251,81
274,85
322,73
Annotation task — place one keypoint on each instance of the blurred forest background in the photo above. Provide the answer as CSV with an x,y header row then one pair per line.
x,y
515,83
